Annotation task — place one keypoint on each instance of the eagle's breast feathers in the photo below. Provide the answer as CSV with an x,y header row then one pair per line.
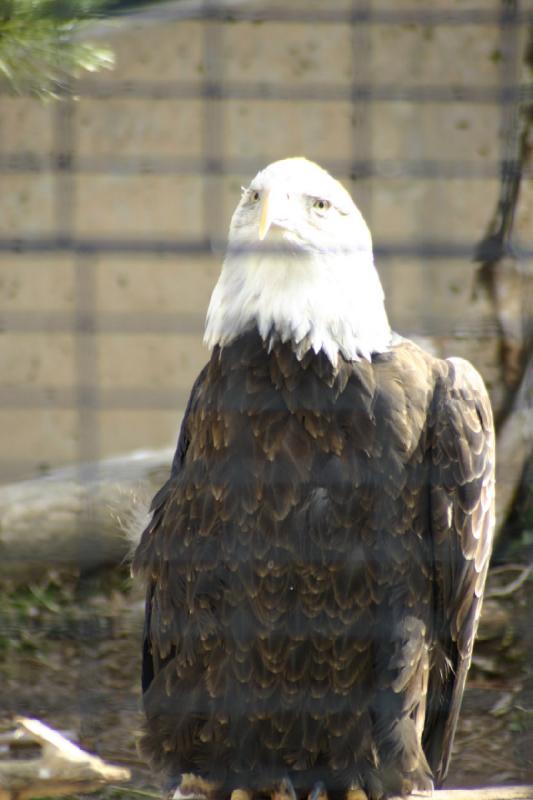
x,y
302,578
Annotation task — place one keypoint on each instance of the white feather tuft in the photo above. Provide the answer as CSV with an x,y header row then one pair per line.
x,y
133,516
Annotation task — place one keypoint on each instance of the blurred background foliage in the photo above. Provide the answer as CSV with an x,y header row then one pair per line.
x,y
42,46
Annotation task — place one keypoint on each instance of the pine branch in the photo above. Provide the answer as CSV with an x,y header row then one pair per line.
x,y
41,50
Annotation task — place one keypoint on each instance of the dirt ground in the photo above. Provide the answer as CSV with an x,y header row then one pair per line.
x,y
70,655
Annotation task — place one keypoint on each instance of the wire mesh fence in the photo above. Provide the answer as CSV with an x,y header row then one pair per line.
x,y
116,200
83,159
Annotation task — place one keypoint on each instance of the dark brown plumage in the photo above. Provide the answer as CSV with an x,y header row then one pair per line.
x,y
314,569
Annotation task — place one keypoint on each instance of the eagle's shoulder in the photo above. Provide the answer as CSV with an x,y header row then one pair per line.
x,y
407,360
452,380
405,377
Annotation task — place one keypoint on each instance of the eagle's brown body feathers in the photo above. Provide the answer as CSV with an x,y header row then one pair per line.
x,y
314,569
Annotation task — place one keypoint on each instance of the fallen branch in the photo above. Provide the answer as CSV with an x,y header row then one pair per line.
x,y
482,793
78,516
61,768
513,586
514,446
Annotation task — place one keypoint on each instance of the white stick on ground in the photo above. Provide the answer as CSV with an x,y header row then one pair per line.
x,y
61,768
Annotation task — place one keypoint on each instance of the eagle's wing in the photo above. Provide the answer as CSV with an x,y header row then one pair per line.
x,y
462,523
143,554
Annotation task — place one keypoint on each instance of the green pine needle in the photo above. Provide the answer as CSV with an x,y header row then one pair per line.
x,y
41,49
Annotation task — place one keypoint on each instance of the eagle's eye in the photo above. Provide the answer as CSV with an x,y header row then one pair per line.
x,y
250,196
321,205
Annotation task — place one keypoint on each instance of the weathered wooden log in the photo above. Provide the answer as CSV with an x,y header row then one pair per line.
x,y
514,445
60,768
482,793
77,516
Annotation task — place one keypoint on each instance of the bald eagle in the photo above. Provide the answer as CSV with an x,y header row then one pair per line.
x,y
315,563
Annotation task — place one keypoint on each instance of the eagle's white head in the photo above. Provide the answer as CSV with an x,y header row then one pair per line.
x,y
299,265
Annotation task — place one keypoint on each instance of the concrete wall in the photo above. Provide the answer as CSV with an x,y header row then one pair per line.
x,y
98,350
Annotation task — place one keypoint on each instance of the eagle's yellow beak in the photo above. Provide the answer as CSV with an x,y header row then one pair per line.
x,y
267,213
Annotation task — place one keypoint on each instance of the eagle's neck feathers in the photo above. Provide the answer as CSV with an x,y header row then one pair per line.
x,y
328,302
